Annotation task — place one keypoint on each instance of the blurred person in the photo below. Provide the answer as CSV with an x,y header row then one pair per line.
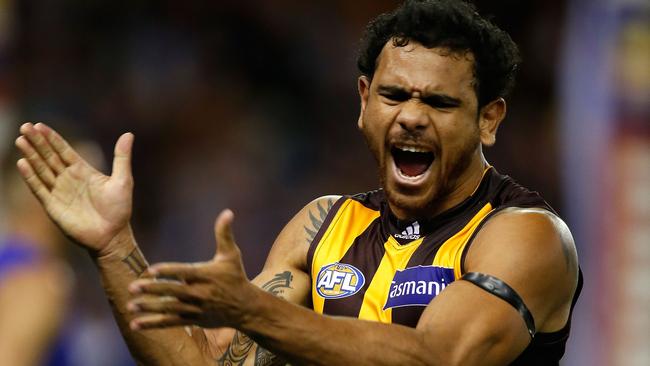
x,y
449,263
35,280
36,284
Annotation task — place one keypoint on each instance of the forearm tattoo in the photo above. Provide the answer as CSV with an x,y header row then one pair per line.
x,y
241,344
237,351
135,261
317,217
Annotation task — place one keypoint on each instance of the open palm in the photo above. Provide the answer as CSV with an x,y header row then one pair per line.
x,y
90,207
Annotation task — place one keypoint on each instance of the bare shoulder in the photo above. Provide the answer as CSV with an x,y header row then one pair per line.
x,y
32,306
527,231
27,292
293,242
534,252
313,215
52,281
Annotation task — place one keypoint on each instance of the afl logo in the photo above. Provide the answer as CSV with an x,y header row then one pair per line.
x,y
339,280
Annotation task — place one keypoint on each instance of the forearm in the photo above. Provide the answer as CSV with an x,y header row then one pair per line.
x,y
120,266
310,338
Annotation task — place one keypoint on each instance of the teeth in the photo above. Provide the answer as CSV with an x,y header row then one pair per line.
x,y
412,149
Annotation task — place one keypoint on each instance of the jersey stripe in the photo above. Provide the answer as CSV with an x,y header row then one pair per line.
x,y
450,253
395,258
355,218
366,259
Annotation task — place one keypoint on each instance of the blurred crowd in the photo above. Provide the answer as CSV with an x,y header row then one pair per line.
x,y
250,105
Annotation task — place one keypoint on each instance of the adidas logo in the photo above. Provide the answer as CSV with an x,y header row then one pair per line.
x,y
412,232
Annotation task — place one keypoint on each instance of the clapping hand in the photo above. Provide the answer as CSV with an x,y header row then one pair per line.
x,y
90,207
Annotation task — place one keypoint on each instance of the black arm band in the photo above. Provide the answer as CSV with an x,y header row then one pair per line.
x,y
500,289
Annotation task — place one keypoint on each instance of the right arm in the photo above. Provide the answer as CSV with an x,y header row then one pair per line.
x,y
285,275
120,266
94,211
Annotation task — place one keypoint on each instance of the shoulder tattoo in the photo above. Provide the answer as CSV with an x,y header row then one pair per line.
x,y
317,217
241,344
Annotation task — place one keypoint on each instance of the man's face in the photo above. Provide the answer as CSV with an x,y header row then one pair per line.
x,y
419,116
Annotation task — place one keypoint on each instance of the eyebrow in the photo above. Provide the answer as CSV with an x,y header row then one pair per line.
x,y
426,97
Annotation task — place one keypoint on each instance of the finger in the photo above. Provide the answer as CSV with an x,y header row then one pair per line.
x,y
189,272
67,154
46,150
164,305
33,181
41,146
180,290
122,158
223,233
158,321
38,166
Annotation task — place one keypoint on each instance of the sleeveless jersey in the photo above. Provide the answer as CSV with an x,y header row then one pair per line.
x,y
365,263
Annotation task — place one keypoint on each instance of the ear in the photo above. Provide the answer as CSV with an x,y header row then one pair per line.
x,y
490,117
364,91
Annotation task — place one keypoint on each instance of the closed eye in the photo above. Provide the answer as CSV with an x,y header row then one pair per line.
x,y
441,101
394,94
396,97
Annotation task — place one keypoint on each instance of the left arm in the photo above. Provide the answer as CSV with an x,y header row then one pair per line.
x,y
530,250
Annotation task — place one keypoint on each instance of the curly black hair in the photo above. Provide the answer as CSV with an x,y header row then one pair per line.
x,y
451,24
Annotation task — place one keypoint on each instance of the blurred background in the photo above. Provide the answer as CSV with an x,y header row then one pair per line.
x,y
252,105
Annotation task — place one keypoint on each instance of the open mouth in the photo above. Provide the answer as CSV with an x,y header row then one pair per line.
x,y
411,161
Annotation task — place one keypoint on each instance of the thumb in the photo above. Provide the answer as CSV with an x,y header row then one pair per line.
x,y
223,233
122,158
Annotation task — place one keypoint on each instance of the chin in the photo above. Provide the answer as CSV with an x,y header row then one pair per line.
x,y
413,204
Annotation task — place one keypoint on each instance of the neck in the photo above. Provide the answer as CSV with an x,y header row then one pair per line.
x,y
465,185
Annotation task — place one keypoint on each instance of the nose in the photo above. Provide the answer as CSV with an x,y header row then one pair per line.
x,y
412,116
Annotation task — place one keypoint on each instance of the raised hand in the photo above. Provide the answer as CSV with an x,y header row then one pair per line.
x,y
209,294
90,207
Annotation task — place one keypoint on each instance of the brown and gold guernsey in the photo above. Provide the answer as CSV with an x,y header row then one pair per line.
x,y
365,263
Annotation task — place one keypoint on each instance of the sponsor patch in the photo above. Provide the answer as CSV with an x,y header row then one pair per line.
x,y
338,280
417,286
